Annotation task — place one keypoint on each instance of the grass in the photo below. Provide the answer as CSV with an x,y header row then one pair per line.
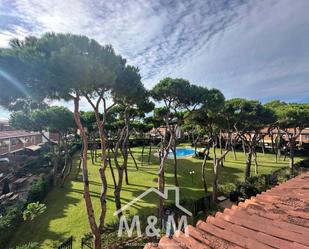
x,y
66,214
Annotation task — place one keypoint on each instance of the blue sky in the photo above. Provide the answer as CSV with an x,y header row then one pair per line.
x,y
256,49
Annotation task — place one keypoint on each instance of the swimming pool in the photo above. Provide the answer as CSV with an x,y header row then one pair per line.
x,y
182,152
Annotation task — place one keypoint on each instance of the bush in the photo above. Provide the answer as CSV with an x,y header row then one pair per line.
x,y
304,163
9,222
33,210
226,189
247,189
38,191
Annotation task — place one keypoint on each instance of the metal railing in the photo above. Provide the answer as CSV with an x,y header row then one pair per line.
x,y
68,244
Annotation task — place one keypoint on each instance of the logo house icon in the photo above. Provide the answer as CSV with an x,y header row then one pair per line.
x,y
160,194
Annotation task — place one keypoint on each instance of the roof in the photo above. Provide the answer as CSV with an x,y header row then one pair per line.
x,y
277,218
16,134
290,130
33,147
4,121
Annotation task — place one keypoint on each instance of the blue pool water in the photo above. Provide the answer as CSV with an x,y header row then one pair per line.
x,y
182,152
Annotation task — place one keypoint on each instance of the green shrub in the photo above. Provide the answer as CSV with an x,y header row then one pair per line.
x,y
226,189
33,210
38,191
247,189
304,163
8,223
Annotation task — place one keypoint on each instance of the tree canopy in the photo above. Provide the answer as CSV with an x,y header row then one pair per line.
x,y
250,115
293,115
54,119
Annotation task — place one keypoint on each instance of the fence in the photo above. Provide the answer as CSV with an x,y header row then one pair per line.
x,y
68,244
202,204
86,242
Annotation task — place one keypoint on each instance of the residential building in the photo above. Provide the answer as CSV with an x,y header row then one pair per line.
x,y
18,140
4,125
302,139
160,131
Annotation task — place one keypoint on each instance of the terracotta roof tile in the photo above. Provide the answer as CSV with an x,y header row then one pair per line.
x,y
277,218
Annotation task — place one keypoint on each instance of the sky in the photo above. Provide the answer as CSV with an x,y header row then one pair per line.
x,y
256,49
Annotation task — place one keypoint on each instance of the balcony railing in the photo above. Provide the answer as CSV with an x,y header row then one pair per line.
x,y
17,146
4,150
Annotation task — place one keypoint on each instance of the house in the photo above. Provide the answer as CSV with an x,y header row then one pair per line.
x,y
4,125
13,141
301,140
160,131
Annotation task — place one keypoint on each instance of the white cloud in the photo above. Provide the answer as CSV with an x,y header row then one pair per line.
x,y
255,49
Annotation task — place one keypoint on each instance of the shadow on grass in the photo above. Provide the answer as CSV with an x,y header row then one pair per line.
x,y
57,202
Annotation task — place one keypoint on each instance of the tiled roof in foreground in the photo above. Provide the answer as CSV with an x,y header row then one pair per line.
x,y
277,218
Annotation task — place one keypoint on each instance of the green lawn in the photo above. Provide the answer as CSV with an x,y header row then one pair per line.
x,y
66,215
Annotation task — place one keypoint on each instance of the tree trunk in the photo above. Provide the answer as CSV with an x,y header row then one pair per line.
x,y
173,147
243,147
95,148
104,165
279,147
272,142
204,170
276,148
68,160
91,152
292,151
126,175
175,166
131,154
233,148
89,207
161,189
284,158
161,178
112,170
248,164
122,143
97,241
256,168
220,142
234,153
55,166
149,153
66,154
66,175
143,149
215,180
263,146
118,191
80,161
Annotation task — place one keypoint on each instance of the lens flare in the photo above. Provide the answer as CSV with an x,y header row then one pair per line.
x,y
13,81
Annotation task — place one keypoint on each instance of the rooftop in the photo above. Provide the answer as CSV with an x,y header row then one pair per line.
x,y
16,134
277,218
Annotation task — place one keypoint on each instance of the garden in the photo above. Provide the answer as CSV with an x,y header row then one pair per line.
x,y
127,140
65,214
